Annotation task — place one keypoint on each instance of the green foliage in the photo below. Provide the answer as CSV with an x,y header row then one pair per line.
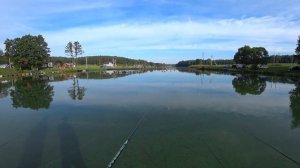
x,y
1,52
77,49
69,49
73,50
249,84
247,55
32,93
297,50
203,62
28,51
281,59
295,105
100,60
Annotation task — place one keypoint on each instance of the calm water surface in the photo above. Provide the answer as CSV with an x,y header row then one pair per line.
x,y
187,120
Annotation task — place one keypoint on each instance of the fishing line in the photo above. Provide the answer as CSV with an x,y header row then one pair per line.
x,y
133,131
275,149
213,153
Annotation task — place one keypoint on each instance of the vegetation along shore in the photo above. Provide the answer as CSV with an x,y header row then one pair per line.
x,y
251,60
29,55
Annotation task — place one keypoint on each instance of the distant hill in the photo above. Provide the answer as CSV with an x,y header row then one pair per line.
x,y
100,60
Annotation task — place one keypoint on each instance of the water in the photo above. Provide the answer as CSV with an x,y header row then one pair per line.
x,y
190,120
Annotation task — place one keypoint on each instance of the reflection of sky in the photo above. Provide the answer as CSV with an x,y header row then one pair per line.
x,y
169,90
176,90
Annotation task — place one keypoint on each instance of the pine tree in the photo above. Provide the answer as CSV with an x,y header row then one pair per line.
x,y
297,50
77,49
69,50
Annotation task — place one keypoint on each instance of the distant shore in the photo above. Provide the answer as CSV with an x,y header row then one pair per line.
x,y
278,69
13,73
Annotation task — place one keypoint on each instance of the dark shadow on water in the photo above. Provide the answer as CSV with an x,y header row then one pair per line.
x,y
34,146
69,146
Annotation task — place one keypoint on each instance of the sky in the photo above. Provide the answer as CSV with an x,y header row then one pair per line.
x,y
165,31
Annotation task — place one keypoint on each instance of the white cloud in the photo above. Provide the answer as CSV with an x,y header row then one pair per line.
x,y
275,33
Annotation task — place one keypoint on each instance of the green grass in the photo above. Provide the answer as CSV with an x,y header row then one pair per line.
x,y
8,71
55,70
273,69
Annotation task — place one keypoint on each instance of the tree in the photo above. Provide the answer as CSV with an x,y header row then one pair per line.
x,y
69,50
1,52
73,50
10,49
28,51
247,55
297,50
77,49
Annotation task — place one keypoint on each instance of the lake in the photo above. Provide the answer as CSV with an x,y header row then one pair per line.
x,y
174,119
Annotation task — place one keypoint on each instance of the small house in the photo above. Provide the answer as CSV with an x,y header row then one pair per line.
x,y
4,66
112,64
48,65
109,65
68,65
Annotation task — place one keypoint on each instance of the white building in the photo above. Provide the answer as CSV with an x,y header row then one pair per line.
x,y
110,64
4,66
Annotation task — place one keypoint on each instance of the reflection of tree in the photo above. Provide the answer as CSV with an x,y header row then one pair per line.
x,y
4,89
295,105
76,92
249,84
32,93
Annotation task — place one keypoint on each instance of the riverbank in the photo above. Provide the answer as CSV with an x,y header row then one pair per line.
x,y
278,69
13,73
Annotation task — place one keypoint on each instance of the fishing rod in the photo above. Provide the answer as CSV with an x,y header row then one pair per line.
x,y
133,131
276,150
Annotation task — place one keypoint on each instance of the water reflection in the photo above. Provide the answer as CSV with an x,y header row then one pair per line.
x,y
249,84
33,93
69,146
4,88
110,74
34,145
76,92
295,105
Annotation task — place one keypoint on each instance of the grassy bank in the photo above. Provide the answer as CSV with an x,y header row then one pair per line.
x,y
7,73
278,69
11,73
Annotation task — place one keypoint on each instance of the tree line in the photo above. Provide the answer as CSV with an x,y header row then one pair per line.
x,y
249,55
100,60
32,52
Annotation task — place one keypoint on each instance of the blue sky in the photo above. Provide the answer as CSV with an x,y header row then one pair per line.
x,y
156,30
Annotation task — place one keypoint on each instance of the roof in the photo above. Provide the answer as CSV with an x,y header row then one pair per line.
x,y
3,66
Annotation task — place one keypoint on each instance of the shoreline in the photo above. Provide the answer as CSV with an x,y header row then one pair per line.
x,y
269,72
12,73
